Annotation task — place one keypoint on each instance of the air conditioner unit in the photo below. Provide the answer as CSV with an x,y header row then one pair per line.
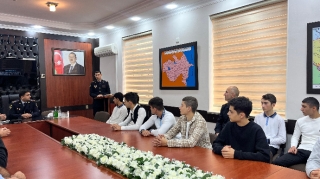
x,y
106,50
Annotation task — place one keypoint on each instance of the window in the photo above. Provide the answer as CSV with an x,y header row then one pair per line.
x,y
249,51
138,66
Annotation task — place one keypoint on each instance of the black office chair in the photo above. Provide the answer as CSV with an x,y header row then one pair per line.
x,y
212,137
102,116
280,152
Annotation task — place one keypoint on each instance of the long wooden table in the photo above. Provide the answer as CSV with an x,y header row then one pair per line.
x,y
39,156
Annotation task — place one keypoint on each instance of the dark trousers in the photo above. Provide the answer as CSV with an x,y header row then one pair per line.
x,y
273,150
290,159
99,105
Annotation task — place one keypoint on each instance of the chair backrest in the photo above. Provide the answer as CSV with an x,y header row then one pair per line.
x,y
102,116
212,137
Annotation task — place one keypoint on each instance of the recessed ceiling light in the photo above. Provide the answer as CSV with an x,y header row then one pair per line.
x,y
37,27
171,6
135,18
110,27
91,33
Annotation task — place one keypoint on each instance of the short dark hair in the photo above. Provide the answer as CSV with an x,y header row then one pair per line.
x,y
312,102
119,96
22,93
241,104
97,72
73,54
157,103
270,97
191,102
133,97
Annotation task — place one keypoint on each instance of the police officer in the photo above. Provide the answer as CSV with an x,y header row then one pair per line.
x,y
99,89
24,108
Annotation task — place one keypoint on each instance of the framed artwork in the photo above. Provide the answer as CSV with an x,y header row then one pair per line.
x,y
68,62
313,58
179,67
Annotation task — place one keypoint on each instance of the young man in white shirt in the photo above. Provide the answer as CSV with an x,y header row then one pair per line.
x,y
309,128
161,118
136,115
273,124
119,112
313,163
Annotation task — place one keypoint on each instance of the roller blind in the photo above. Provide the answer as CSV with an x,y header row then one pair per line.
x,y
138,66
249,51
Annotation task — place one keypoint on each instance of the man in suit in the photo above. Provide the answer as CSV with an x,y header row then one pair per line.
x,y
231,92
24,108
99,89
73,67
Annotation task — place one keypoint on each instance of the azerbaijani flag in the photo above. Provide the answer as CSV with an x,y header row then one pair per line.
x,y
58,62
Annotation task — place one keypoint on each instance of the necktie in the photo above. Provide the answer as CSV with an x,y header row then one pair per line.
x,y
71,68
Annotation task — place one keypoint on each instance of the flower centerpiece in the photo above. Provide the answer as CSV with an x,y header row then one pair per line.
x,y
131,162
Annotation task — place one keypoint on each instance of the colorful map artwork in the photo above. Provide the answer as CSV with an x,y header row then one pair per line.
x,y
178,67
316,58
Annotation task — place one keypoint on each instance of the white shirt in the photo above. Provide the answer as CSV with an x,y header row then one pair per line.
x,y
119,113
128,124
313,162
187,130
274,128
163,125
310,131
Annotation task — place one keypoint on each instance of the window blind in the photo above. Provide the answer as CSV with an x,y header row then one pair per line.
x,y
249,51
138,66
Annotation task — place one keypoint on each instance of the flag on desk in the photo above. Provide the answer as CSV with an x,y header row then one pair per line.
x,y
58,62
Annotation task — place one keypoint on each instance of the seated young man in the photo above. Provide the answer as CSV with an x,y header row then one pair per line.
x,y
313,163
24,108
273,125
3,164
136,115
308,127
191,125
119,112
242,139
161,118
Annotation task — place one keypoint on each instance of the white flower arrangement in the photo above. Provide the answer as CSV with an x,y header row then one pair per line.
x,y
131,162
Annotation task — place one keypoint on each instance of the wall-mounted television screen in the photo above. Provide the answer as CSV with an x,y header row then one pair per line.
x,y
15,72
68,62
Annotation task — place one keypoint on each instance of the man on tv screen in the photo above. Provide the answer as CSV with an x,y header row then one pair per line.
x,y
73,67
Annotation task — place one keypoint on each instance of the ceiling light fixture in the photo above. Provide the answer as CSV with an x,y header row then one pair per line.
x,y
52,6
110,27
37,27
171,6
90,33
135,18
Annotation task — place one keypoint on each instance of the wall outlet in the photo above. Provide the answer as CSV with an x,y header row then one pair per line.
x,y
87,106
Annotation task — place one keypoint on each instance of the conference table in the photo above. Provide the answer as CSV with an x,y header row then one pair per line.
x,y
34,148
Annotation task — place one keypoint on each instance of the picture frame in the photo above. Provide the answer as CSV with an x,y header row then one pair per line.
x,y
179,67
68,62
313,58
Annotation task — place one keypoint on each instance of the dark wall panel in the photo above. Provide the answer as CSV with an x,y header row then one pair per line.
x,y
67,90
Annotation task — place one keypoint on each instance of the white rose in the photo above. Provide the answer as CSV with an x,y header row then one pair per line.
x,y
104,159
67,140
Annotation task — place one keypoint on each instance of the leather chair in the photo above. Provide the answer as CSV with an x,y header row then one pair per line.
x,y
6,101
102,116
300,167
212,137
280,152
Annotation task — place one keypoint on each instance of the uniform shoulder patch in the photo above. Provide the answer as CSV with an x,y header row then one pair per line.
x,y
15,101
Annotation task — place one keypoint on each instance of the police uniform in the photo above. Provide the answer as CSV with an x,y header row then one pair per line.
x,y
17,108
97,88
